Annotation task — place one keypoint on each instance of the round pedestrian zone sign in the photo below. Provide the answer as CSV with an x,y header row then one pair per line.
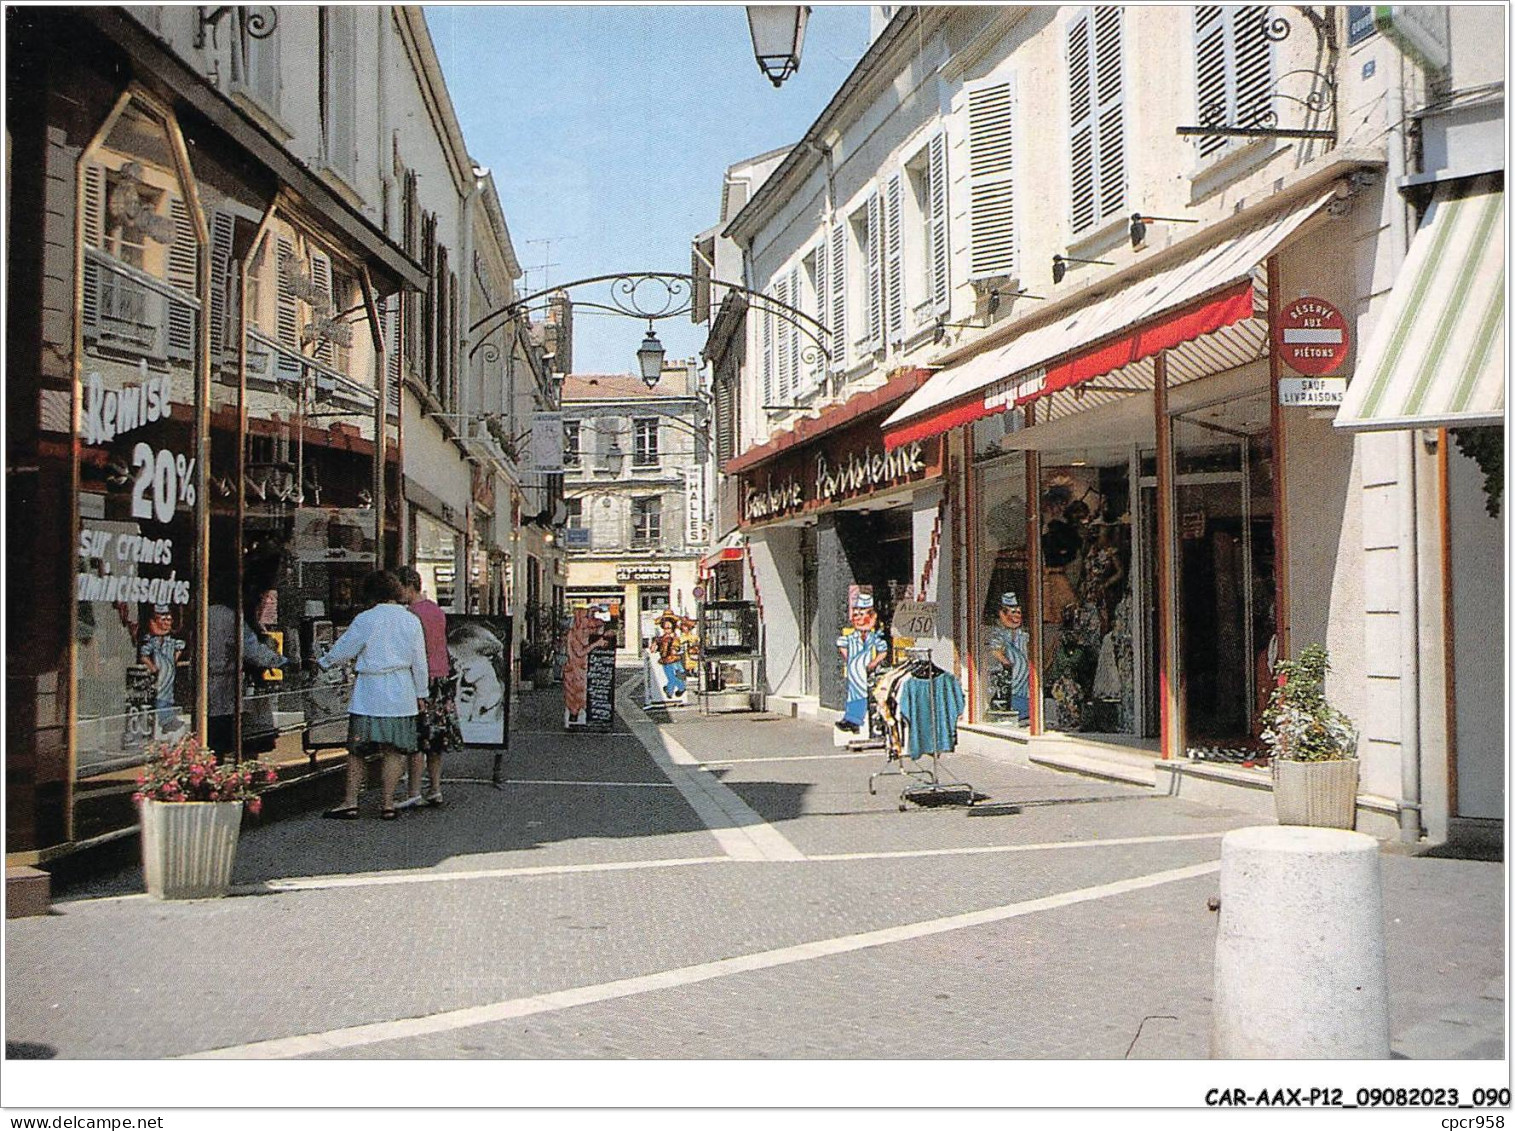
x,y
1311,336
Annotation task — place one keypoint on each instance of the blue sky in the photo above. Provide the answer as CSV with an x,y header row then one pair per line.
x,y
608,130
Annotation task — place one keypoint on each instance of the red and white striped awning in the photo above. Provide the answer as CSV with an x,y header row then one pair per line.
x,y
1201,295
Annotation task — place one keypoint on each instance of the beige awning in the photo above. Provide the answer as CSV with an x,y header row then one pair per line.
x,y
1436,357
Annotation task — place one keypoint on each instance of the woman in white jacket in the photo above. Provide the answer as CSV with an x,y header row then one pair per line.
x,y
387,647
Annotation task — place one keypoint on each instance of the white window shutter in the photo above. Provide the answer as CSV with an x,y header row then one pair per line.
x,y
288,306
1252,64
765,329
785,331
794,336
94,206
839,294
1212,85
874,291
938,251
320,274
1082,193
343,105
822,304
222,229
894,266
991,172
1110,108
182,261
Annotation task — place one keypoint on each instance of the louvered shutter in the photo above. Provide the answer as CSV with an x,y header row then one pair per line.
x,y
320,275
1252,64
1110,89
1081,164
181,258
839,294
1211,79
938,250
765,330
894,264
94,214
393,308
179,341
342,99
288,305
991,170
794,336
222,229
822,305
873,293
781,294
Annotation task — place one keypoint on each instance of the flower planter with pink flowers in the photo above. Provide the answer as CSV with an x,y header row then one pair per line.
x,y
191,809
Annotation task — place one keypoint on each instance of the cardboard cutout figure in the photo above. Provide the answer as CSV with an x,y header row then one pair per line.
x,y
668,644
1010,644
159,651
863,649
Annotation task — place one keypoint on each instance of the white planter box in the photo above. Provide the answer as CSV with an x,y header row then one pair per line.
x,y
188,847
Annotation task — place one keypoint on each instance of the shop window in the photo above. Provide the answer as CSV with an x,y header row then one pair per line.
x,y
1088,612
644,442
571,452
646,522
1002,602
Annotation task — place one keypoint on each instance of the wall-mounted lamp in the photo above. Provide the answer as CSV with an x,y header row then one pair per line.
x,y
1060,265
1139,224
991,307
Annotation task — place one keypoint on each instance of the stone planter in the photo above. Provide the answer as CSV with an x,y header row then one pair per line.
x,y
188,847
1321,794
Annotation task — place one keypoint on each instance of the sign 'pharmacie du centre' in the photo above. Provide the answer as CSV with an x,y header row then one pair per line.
x,y
850,465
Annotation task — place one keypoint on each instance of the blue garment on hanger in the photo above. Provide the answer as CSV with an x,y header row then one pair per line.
x,y
931,706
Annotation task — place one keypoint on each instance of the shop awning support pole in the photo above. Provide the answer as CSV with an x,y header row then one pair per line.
x,y
1034,568
1281,615
1170,702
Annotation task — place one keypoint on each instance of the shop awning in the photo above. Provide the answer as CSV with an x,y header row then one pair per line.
x,y
1202,294
1436,357
732,548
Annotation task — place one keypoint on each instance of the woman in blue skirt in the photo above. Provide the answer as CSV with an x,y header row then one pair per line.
x,y
387,647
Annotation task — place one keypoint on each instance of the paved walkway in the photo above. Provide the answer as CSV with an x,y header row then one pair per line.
x,y
703,888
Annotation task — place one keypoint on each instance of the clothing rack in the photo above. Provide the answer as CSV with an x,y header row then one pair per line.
x,y
928,788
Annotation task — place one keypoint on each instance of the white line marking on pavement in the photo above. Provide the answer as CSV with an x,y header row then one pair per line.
x,y
618,784
790,758
737,827
435,876
515,1008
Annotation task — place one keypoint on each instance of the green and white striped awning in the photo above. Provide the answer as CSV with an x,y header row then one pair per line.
x,y
1436,358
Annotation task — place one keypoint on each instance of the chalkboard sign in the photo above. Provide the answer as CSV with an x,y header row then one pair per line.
x,y
601,687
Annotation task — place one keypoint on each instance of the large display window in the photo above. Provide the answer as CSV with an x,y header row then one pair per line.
x,y
1088,610
1001,601
142,433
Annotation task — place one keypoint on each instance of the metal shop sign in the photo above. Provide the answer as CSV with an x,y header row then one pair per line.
x,y
851,465
1311,392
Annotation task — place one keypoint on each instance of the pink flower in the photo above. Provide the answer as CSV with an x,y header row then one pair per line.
x,y
255,806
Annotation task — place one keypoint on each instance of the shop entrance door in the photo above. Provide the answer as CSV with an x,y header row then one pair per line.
x,y
1223,514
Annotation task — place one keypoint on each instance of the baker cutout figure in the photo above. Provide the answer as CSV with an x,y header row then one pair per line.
x,y
863,649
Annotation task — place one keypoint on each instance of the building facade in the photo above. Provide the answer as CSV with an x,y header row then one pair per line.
x,y
245,250
637,480
1088,277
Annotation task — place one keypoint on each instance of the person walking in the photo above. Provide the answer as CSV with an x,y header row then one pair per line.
x,y
387,647
437,730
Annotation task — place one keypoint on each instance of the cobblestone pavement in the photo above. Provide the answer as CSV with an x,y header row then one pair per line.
x,y
716,888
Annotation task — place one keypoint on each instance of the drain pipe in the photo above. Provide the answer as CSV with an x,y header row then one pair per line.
x,y
1410,825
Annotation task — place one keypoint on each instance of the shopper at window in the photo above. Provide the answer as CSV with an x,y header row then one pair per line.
x,y
222,685
437,730
387,646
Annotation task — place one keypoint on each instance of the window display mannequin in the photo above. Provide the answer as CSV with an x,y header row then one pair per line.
x,y
863,649
1009,644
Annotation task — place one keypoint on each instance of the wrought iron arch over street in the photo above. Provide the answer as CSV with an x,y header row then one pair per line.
x,y
656,296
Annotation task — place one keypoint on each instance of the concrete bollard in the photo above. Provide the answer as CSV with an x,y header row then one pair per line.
x,y
1299,957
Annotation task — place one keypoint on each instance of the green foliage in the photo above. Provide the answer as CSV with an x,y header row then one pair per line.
x,y
1299,725
1485,447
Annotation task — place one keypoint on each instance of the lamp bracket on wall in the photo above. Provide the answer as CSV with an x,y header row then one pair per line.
x,y
252,22
1319,99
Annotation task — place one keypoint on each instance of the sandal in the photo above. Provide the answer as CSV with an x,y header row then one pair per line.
x,y
388,814
343,814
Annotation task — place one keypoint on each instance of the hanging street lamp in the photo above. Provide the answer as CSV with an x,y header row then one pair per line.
x,y
778,35
650,358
